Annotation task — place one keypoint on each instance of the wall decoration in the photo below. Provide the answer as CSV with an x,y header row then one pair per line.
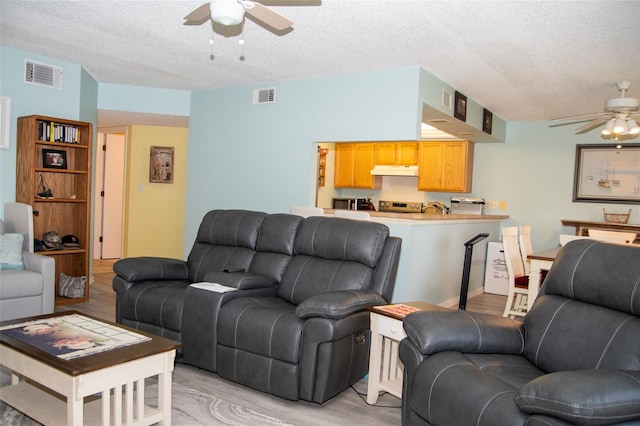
x,y
487,121
161,164
460,110
5,119
607,174
54,159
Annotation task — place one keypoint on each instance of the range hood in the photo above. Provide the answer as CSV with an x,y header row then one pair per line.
x,y
391,170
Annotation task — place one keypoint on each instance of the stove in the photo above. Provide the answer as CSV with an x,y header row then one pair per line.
x,y
400,206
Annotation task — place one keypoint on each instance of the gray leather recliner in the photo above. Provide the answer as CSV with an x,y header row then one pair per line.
x,y
574,360
296,323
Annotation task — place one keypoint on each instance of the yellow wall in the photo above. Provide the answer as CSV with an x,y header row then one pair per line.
x,y
154,212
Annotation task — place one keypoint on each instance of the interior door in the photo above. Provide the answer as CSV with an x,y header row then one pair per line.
x,y
113,199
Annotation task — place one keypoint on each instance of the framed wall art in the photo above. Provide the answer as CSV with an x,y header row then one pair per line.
x,y
161,164
54,159
607,174
487,121
460,106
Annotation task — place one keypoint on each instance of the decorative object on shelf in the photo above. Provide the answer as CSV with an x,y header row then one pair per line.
x,y
460,110
322,165
54,159
487,121
5,119
607,174
44,191
616,217
161,164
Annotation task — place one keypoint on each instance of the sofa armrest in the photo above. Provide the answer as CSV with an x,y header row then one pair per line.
x,y
584,396
338,304
470,332
151,268
46,266
240,280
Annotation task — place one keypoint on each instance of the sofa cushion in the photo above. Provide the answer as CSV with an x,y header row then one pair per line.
x,y
156,302
265,326
11,251
308,276
451,388
341,239
586,397
20,283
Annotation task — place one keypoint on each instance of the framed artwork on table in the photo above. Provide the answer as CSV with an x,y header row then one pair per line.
x,y
54,159
460,106
161,164
607,174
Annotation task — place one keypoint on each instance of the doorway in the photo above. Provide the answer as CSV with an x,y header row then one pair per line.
x,y
109,194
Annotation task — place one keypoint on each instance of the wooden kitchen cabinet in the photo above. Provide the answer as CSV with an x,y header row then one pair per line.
x,y
354,162
445,166
396,153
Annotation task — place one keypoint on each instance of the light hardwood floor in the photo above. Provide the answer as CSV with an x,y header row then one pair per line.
x,y
349,407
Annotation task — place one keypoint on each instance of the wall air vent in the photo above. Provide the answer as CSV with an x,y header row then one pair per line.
x,y
264,96
42,74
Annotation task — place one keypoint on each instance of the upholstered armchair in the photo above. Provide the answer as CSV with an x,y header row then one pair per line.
x,y
27,280
574,360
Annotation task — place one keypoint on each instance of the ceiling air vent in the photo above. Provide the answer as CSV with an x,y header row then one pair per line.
x,y
264,96
43,74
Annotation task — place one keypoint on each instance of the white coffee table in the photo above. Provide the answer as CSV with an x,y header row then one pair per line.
x,y
101,388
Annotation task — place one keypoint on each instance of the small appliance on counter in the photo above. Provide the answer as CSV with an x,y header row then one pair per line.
x,y
352,204
467,205
400,206
436,207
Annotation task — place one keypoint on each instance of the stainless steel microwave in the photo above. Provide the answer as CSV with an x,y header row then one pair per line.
x,y
350,204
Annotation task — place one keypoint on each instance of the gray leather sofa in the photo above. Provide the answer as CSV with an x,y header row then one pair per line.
x,y
574,360
295,326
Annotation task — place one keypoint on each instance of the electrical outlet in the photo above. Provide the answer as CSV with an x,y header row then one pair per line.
x,y
503,205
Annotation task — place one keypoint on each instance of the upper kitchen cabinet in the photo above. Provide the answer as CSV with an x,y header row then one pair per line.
x,y
396,153
354,162
445,166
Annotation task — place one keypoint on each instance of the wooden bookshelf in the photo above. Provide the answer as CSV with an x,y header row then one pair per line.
x,y
58,152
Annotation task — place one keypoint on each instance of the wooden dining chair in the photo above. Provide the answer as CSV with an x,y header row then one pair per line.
x,y
524,241
628,237
518,280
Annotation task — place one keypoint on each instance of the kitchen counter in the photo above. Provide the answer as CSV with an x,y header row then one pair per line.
x,y
432,254
421,216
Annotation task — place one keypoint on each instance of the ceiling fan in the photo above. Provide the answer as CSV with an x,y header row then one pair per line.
x,y
618,115
231,12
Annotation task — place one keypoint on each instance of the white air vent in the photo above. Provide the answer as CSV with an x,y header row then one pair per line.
x,y
42,74
264,96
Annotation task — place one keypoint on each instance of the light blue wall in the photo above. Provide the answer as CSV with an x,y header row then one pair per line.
x,y
30,99
533,173
262,157
120,97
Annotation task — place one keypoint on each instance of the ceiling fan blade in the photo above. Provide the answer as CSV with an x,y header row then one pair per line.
x,y
199,16
571,117
268,16
591,125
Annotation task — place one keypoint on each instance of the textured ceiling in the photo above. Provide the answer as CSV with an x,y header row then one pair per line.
x,y
523,60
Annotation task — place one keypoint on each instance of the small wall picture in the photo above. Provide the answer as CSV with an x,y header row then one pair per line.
x,y
54,159
161,164
487,121
460,110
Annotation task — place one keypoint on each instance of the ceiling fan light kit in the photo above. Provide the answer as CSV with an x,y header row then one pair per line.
x,y
226,12
232,12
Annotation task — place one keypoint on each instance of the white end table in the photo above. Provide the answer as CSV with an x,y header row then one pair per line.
x,y
385,369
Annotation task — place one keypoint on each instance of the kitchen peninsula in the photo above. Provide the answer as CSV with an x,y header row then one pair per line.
x,y
431,261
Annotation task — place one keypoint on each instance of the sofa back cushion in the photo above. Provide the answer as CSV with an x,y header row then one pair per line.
x,y
332,254
588,313
226,240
